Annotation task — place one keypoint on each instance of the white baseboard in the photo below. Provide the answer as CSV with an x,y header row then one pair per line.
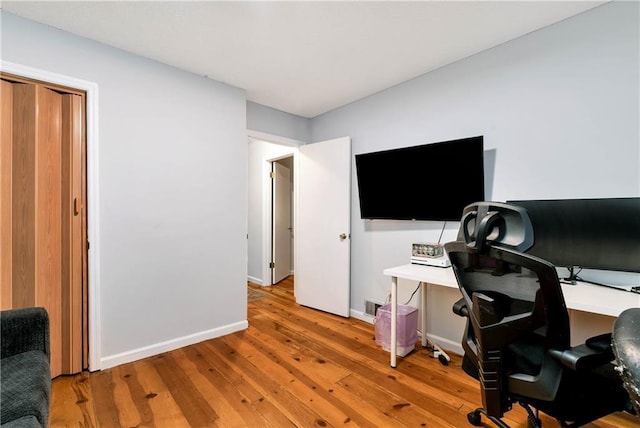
x,y
448,345
254,280
170,345
361,316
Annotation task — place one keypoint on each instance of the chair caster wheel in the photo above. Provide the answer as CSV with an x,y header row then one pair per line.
x,y
474,418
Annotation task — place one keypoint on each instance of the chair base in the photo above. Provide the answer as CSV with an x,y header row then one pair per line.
x,y
475,417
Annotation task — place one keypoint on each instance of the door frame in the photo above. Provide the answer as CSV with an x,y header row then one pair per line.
x,y
93,218
276,208
266,195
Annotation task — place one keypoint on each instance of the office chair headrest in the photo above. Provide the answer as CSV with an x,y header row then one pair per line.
x,y
496,223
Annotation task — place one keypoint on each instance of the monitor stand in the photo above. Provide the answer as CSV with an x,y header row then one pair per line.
x,y
573,275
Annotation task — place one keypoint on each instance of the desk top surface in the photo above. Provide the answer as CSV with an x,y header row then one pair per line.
x,y
581,296
598,299
431,274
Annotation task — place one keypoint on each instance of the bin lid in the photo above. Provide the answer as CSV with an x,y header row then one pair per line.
x,y
402,309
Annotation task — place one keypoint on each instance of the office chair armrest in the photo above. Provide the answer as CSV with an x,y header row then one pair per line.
x,y
460,308
587,356
601,343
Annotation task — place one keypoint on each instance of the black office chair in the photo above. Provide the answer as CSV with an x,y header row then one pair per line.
x,y
517,337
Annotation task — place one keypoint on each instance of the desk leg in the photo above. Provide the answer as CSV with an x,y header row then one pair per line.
x,y
438,352
423,309
394,320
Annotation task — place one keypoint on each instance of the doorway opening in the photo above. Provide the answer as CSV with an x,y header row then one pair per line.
x,y
92,327
267,152
282,219
322,208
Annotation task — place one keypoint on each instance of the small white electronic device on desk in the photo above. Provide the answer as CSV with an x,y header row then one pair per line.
x,y
429,255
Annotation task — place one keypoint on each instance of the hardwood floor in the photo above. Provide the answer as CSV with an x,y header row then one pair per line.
x,y
293,366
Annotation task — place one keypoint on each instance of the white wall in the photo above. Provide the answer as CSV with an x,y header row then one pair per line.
x,y
172,196
559,111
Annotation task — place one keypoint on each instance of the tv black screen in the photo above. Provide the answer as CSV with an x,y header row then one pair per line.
x,y
586,233
426,182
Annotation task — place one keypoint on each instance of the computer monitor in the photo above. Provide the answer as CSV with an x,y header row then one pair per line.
x,y
586,233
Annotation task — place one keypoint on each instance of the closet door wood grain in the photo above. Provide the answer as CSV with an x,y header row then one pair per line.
x,y
6,179
72,242
49,216
23,196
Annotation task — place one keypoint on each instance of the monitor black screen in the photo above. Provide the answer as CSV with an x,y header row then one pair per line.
x,y
427,182
586,233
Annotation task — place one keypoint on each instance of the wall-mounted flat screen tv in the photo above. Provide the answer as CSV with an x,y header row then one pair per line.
x,y
426,182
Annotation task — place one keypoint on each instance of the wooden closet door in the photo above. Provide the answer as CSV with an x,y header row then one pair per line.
x,y
41,255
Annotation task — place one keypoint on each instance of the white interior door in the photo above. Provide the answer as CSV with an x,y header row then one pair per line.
x,y
323,226
281,252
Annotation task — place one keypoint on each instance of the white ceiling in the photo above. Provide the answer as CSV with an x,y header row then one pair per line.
x,y
302,57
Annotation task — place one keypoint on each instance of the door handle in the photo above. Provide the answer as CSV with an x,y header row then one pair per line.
x,y
343,236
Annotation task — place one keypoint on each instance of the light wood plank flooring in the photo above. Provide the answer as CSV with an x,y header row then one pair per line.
x,y
293,366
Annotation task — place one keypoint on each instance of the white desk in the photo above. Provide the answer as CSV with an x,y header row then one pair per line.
x,y
581,296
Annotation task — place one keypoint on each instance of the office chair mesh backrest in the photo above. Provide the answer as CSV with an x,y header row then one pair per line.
x,y
518,321
513,306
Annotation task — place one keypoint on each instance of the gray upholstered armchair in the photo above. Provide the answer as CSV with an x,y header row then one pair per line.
x,y
25,375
